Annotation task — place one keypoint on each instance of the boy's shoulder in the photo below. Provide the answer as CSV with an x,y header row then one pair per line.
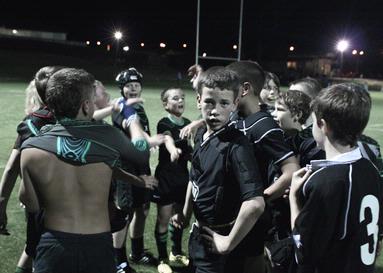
x,y
258,124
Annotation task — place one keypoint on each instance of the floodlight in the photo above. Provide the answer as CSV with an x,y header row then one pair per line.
x,y
118,35
361,52
125,48
342,45
291,48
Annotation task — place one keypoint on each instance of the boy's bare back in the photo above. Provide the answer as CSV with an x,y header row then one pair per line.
x,y
74,197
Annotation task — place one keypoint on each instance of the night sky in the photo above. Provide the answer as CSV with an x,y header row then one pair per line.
x,y
270,27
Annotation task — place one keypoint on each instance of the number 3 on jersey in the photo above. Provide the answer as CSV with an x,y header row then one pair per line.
x,y
372,203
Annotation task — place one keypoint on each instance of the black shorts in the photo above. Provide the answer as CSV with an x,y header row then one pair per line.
x,y
61,252
172,186
201,260
141,196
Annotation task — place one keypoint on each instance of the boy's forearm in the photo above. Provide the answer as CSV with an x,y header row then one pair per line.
x,y
169,144
187,210
294,210
9,177
277,189
248,215
103,113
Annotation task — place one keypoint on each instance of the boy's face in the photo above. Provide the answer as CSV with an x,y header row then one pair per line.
x,y
102,97
318,133
269,95
132,90
175,103
216,106
283,116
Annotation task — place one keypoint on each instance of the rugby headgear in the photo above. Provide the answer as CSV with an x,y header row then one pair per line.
x,y
129,75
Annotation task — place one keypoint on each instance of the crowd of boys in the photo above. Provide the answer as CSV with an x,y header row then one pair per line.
x,y
280,181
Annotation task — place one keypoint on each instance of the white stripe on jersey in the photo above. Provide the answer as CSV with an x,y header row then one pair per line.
x,y
348,203
265,134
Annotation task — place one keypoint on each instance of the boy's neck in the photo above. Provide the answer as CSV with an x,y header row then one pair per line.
x,y
250,106
178,120
334,149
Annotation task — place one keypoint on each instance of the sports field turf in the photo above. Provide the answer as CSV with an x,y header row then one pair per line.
x,y
12,111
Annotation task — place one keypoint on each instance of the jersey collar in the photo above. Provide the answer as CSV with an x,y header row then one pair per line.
x,y
344,158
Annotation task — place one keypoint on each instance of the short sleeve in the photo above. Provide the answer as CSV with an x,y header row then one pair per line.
x,y
274,144
246,171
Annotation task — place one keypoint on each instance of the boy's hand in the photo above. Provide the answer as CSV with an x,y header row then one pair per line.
x,y
175,154
195,71
299,177
190,130
150,181
215,242
178,220
3,222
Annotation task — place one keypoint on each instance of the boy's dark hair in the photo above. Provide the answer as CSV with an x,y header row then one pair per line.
x,y
346,109
164,95
219,77
41,78
310,86
298,104
270,76
249,71
66,91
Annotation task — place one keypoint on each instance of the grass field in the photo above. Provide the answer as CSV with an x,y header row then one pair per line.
x,y
12,111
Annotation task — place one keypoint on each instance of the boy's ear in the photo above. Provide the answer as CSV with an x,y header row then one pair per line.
x,y
85,107
324,127
199,101
245,89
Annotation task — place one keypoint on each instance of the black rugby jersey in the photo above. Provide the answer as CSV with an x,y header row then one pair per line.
x,y
341,218
305,147
31,125
117,119
223,175
166,126
268,142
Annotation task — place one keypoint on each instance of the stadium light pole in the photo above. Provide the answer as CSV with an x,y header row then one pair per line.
x,y
342,46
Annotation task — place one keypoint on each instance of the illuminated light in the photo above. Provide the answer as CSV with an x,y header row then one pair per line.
x,y
342,45
204,54
291,48
354,52
118,35
184,45
235,47
107,47
87,42
162,45
98,43
14,31
125,48
142,44
361,52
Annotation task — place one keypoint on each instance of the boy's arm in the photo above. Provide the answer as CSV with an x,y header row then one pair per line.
x,y
8,180
248,214
277,189
190,130
143,181
171,147
299,177
180,220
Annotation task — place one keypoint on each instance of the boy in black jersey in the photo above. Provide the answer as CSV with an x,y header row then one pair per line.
x,y
225,189
270,149
173,177
336,212
131,199
292,109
